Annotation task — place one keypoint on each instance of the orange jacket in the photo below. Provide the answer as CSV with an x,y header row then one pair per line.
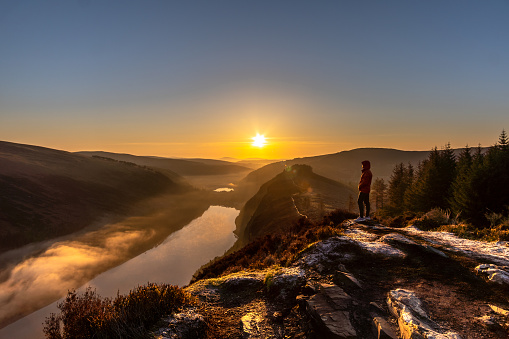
x,y
365,182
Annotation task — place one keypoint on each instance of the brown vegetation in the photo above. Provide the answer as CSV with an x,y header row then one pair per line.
x,y
126,316
279,248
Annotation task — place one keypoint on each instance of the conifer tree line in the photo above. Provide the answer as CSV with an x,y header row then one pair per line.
x,y
472,184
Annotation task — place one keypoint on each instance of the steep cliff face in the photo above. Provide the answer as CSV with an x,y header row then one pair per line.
x,y
295,193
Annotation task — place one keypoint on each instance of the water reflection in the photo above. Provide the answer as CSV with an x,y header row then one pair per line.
x,y
177,258
223,189
174,262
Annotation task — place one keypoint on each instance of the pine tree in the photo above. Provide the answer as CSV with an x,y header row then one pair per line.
x,y
482,187
503,141
432,186
461,191
401,179
379,188
495,182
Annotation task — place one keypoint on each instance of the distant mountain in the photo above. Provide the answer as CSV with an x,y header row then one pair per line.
x,y
294,193
46,193
256,163
343,166
184,167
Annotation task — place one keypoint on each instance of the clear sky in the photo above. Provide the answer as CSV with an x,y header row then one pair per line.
x,y
201,78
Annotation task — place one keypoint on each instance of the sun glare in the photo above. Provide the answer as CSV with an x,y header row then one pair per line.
x,y
259,140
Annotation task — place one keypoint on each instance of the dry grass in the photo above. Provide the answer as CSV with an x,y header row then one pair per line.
x,y
279,248
127,316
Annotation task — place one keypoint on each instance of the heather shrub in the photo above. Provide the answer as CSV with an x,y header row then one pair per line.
x,y
426,224
434,219
498,219
398,221
468,231
127,316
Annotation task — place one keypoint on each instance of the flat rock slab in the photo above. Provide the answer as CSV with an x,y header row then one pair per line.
x,y
330,308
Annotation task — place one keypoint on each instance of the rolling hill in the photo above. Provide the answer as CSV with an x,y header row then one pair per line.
x,y
183,167
344,166
46,193
294,193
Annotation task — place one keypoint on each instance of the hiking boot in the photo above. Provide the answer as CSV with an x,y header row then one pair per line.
x,y
367,218
359,219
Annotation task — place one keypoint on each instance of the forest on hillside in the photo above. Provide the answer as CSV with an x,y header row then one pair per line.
x,y
472,187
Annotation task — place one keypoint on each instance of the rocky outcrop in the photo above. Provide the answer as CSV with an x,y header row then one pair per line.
x,y
185,325
413,321
372,282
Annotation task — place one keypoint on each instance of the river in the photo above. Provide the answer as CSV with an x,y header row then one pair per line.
x,y
174,262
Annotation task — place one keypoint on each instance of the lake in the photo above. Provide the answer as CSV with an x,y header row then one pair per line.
x,y
174,261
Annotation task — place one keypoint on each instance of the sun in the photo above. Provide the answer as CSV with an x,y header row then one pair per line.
x,y
259,140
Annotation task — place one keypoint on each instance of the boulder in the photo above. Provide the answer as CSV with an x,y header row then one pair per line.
x,y
285,283
396,239
184,325
413,321
211,289
494,273
330,309
322,254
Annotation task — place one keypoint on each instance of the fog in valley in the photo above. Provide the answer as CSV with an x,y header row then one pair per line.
x,y
35,275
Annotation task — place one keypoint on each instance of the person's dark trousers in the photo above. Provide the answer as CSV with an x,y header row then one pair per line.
x,y
363,200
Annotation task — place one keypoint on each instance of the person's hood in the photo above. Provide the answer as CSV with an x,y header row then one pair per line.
x,y
366,165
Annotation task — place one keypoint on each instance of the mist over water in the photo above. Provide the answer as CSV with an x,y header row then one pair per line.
x,y
176,259
35,282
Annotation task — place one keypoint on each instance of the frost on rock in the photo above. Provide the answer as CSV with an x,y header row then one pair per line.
x,y
494,273
393,238
360,235
188,324
383,249
289,277
396,238
285,282
324,252
497,252
412,319
204,290
373,244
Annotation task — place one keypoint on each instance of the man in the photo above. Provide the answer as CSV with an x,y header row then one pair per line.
x,y
364,189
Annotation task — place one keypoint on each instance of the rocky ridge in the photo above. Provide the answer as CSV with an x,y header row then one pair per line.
x,y
371,282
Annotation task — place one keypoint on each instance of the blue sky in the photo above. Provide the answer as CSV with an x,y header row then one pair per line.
x,y
201,78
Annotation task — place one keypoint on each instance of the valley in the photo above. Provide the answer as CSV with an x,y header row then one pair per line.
x,y
76,219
